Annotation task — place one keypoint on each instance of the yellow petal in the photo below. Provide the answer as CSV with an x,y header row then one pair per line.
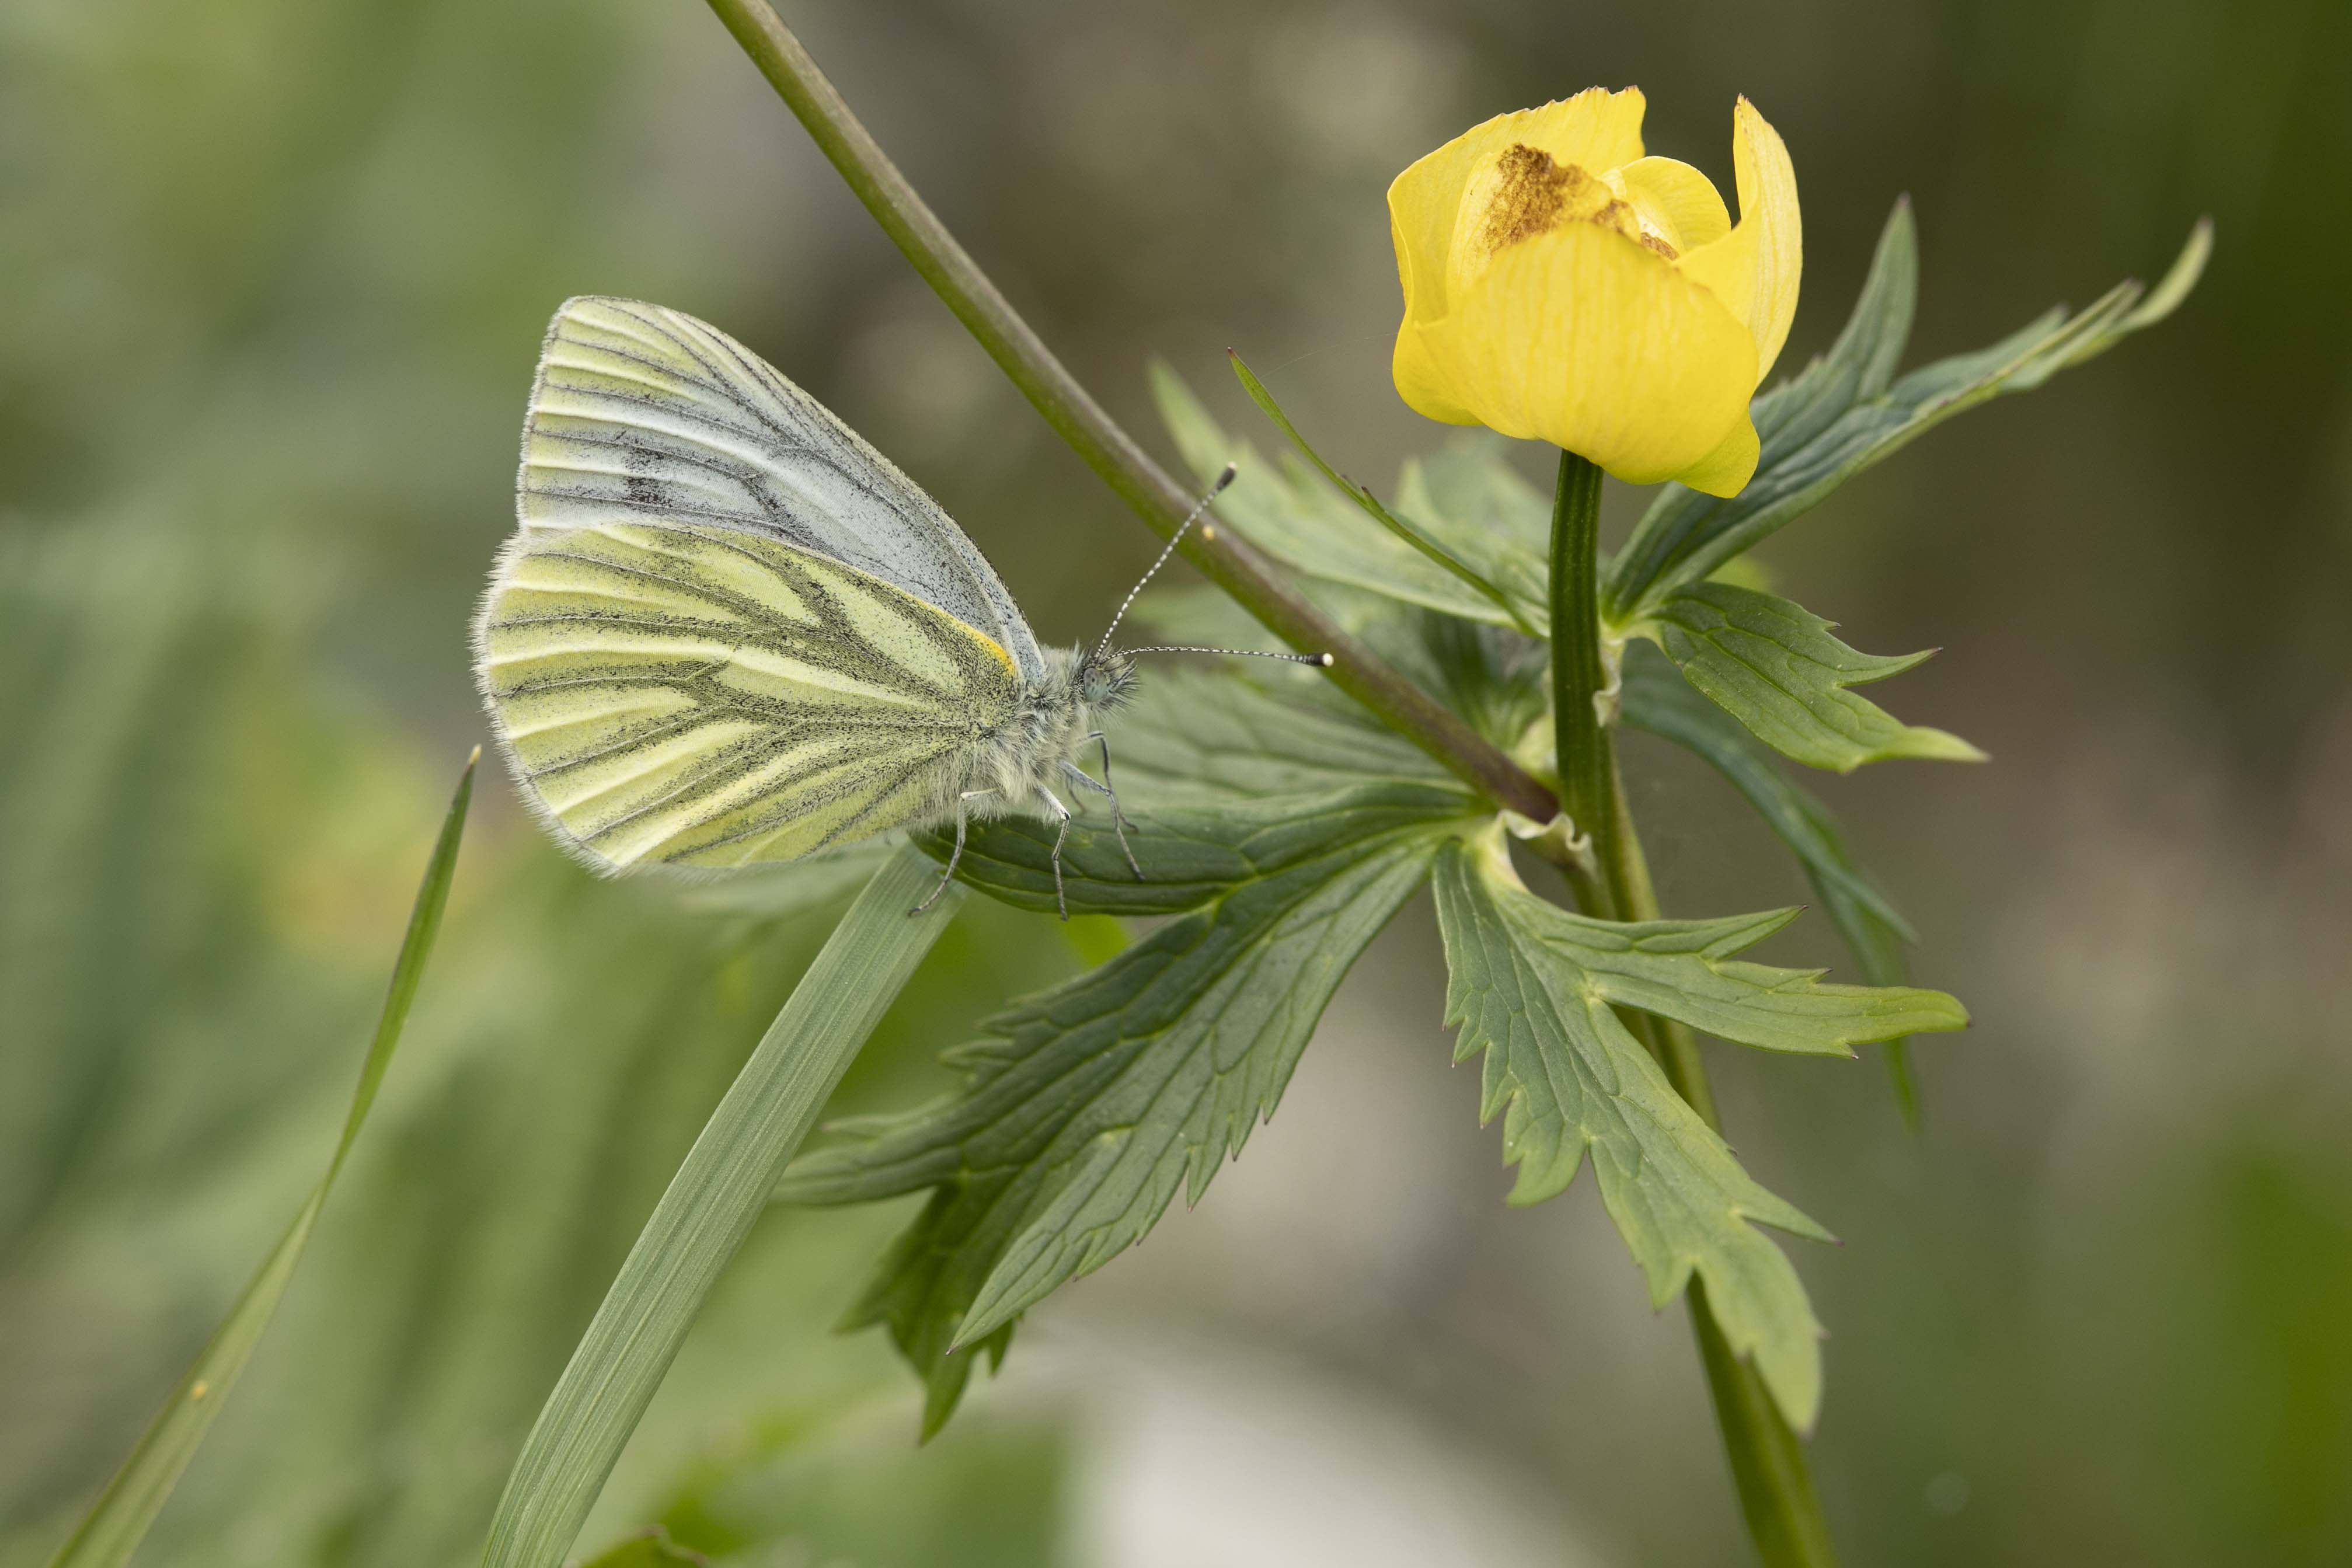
x,y
1591,340
1755,269
1521,192
1673,201
1596,129
1421,381
1726,270
1726,470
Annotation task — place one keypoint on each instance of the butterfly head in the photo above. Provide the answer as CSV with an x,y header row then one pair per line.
x,y
1105,678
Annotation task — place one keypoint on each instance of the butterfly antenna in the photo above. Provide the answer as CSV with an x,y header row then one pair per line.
x,y
1320,661
1215,490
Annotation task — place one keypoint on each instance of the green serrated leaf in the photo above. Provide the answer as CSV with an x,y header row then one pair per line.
x,y
1685,970
1191,855
1775,667
1840,415
1533,986
1218,778
1488,675
1570,1079
711,1205
1294,515
111,1533
1087,1107
1246,734
1660,702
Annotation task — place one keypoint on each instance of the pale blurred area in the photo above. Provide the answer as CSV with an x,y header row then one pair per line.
x,y
277,272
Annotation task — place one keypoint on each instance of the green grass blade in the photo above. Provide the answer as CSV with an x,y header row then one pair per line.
x,y
119,1521
719,1190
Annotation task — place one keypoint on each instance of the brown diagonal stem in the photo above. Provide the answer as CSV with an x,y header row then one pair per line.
x,y
1222,557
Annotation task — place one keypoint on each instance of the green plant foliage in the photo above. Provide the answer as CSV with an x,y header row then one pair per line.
x,y
1658,700
215,844
1532,986
708,1211
1363,498
1842,414
1570,1077
1283,830
1654,699
1774,667
120,1519
1086,1109
1467,536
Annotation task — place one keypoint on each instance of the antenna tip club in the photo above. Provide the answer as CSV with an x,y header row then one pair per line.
x,y
1223,479
1326,660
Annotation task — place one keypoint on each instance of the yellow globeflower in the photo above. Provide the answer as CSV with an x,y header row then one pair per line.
x,y
1560,286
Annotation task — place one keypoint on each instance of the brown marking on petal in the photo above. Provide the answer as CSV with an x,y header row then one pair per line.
x,y
1532,195
1530,192
1524,193
1658,244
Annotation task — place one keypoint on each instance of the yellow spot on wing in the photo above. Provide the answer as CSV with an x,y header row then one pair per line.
x,y
992,644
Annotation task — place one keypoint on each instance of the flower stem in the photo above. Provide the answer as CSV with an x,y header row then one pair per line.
x,y
1222,557
1768,1460
1585,759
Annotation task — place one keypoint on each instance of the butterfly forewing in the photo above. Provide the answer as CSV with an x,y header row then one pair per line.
x,y
643,412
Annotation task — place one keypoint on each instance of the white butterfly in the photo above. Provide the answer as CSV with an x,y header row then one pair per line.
x,y
726,631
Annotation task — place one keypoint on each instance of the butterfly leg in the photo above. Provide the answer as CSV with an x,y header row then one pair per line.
x,y
1062,813
1118,817
949,875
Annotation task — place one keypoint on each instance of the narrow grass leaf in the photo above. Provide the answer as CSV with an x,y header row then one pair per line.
x,y
708,1209
119,1521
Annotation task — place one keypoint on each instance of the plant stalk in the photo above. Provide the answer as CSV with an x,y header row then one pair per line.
x,y
1768,1460
1222,557
1775,1491
1585,760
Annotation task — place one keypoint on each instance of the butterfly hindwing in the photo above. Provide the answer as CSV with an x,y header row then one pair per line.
x,y
707,696
640,412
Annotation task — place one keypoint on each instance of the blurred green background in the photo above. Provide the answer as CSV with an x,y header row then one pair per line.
x,y
276,274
